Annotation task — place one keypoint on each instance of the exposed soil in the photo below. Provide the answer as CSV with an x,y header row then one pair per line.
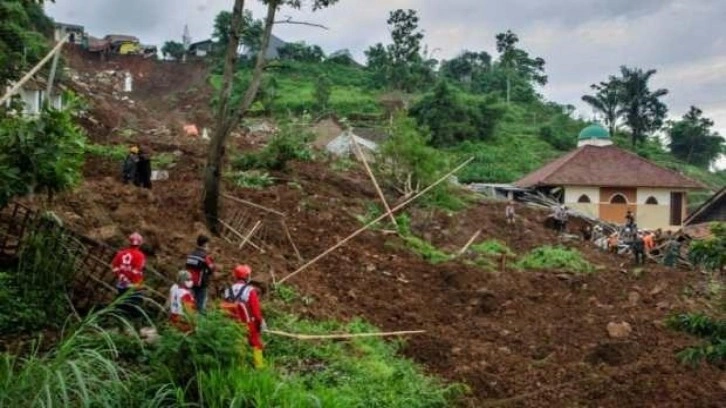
x,y
517,338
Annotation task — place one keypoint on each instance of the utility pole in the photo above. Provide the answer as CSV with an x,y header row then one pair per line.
x,y
187,41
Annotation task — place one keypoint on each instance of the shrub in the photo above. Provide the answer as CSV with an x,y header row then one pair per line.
x,y
558,257
712,330
492,247
711,252
254,179
290,143
43,154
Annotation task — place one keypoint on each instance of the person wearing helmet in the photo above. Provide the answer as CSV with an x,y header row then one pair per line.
x,y
201,266
242,302
128,172
181,301
128,265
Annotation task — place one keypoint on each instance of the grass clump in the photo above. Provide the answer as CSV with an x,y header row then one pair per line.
x,y
712,330
492,247
555,257
418,245
254,179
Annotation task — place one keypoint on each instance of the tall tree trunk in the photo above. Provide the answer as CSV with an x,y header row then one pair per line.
x,y
213,170
509,89
226,119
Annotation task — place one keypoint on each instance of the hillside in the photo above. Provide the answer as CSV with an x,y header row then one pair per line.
x,y
519,337
516,147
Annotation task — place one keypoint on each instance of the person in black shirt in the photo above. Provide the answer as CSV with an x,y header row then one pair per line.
x,y
143,170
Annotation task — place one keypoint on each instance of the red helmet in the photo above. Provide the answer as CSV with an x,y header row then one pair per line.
x,y
136,239
242,272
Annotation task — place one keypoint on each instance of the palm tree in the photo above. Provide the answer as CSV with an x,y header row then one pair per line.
x,y
606,100
642,109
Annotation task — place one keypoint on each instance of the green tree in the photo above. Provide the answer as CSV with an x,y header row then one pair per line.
x,y
400,64
323,89
453,118
173,49
516,62
300,51
693,140
641,108
606,101
229,117
251,30
467,68
23,28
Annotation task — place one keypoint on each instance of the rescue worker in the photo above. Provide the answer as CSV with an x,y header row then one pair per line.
x,y
613,242
201,266
509,212
638,247
181,301
673,250
629,219
649,241
130,165
242,302
128,265
143,170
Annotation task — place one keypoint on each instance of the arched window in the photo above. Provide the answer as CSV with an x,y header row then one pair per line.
x,y
583,199
618,199
651,201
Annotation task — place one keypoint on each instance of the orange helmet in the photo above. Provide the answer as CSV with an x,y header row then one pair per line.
x,y
242,272
136,239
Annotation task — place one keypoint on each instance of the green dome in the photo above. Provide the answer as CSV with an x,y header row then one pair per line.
x,y
594,131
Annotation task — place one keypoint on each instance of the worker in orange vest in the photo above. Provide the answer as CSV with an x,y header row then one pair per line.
x,y
242,302
649,240
181,301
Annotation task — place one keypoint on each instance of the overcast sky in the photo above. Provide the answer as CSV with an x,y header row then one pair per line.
x,y
582,41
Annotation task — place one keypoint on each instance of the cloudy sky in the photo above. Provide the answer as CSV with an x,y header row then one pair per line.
x,y
583,41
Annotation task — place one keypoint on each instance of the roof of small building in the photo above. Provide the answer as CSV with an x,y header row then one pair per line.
x,y
715,200
73,26
606,166
594,131
114,38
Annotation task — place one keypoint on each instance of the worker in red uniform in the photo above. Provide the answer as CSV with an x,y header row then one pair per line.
x,y
181,301
128,265
242,302
201,266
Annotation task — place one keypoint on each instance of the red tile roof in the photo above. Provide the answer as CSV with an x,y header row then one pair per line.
x,y
606,166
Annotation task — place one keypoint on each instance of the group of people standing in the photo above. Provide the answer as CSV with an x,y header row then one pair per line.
x,y
188,295
137,167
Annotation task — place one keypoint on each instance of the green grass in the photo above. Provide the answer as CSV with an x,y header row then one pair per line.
x,y
492,247
712,330
94,366
556,257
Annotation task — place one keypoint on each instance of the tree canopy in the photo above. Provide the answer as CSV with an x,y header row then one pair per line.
x,y
22,44
453,118
173,49
693,140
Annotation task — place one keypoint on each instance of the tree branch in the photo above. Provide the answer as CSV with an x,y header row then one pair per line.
x,y
289,20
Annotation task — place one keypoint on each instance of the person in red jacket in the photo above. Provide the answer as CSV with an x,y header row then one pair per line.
x,y
242,302
201,266
181,301
128,265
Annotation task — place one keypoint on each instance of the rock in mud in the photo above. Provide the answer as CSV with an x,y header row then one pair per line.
x,y
619,330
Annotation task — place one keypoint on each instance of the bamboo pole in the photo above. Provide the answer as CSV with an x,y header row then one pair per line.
x,y
370,224
251,204
373,179
239,234
468,243
250,234
33,71
342,335
289,237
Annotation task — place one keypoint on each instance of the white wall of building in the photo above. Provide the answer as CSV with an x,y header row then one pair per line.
x,y
572,194
661,194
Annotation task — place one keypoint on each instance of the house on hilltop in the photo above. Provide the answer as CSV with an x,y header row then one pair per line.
x,y
272,51
605,181
33,95
201,49
75,32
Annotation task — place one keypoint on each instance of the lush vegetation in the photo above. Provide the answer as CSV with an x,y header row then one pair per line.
x,y
289,143
95,366
43,154
556,257
712,330
711,252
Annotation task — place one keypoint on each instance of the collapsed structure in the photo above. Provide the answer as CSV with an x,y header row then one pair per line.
x,y
605,181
